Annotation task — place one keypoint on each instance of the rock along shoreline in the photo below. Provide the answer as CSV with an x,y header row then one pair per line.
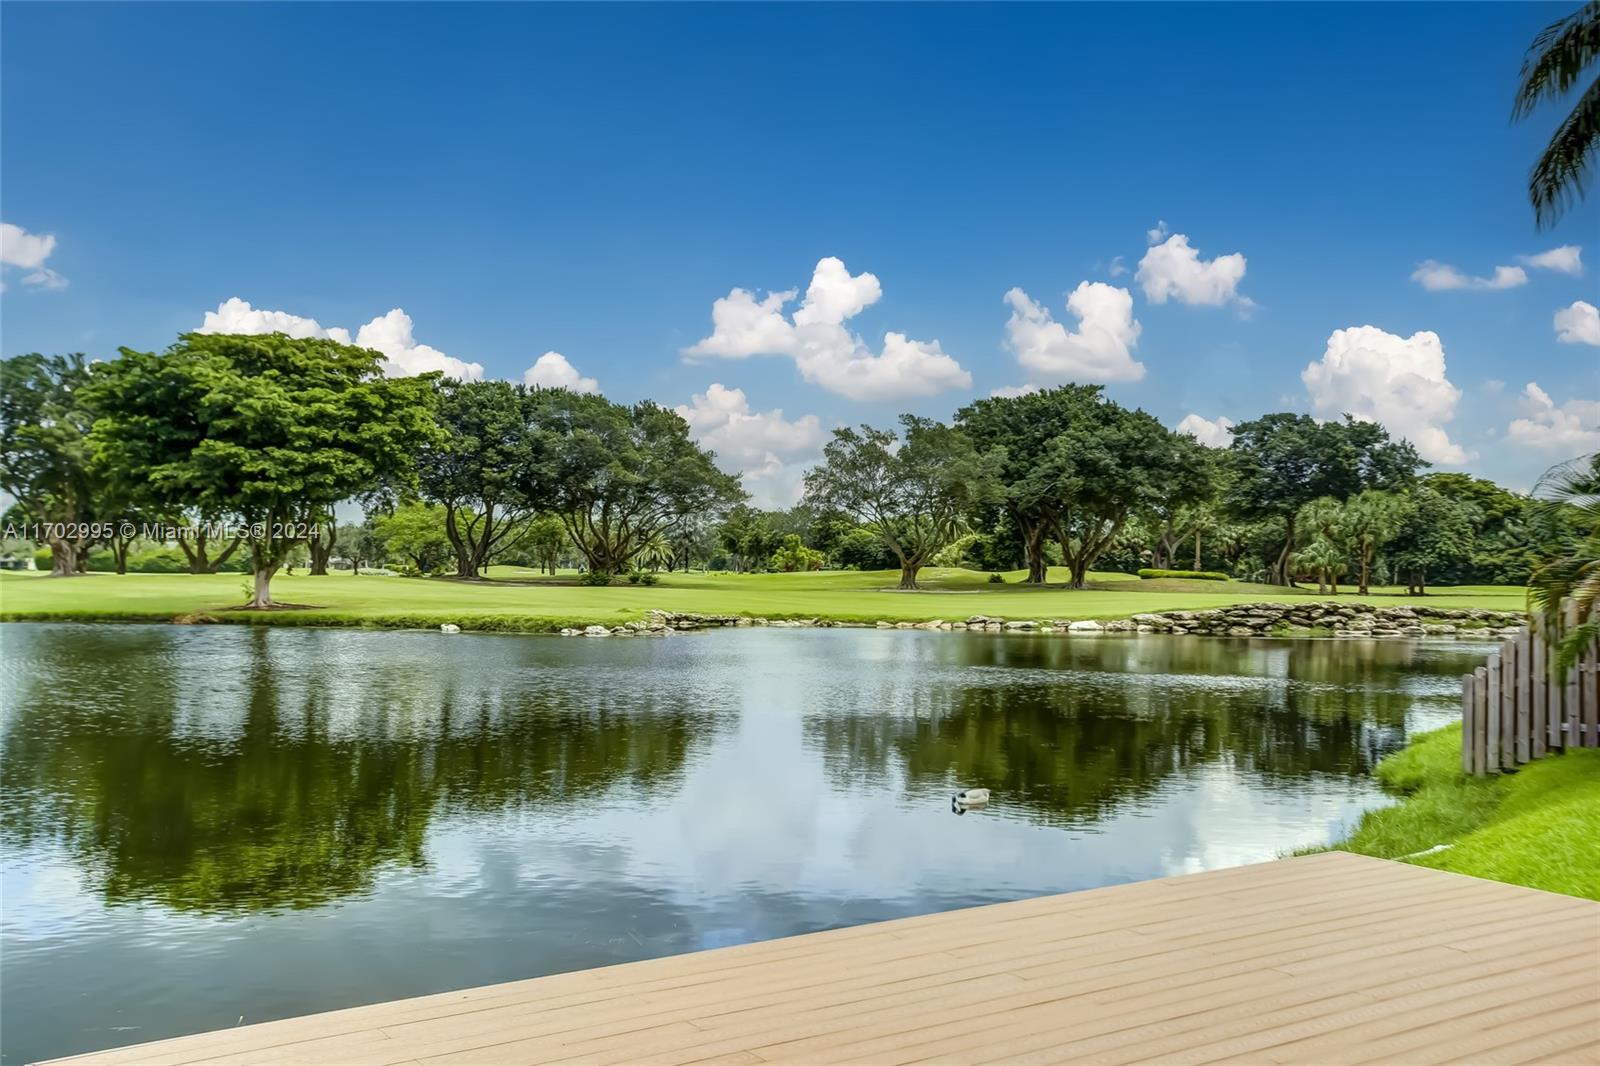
x,y
1313,618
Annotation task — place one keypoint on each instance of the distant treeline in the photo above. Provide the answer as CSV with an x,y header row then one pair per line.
x,y
270,433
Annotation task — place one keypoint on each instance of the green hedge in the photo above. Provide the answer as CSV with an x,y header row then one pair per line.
x,y
1192,575
161,560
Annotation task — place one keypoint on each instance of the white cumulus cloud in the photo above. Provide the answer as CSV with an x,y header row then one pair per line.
x,y
1216,433
823,348
1396,381
1011,392
1567,259
389,334
1572,428
403,356
1578,324
19,248
1172,270
552,371
769,451
28,251
1442,277
234,315
1099,350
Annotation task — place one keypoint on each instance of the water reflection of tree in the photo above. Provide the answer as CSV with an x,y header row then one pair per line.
x,y
1081,729
290,809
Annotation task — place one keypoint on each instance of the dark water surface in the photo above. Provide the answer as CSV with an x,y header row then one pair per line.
x,y
201,824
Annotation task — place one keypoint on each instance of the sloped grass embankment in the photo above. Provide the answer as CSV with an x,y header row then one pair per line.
x,y
1539,827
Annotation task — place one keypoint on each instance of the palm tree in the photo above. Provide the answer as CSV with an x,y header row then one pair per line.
x,y
1556,62
656,552
1327,559
1319,522
1370,519
1569,496
1200,520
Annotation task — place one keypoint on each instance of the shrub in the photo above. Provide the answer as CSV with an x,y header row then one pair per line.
x,y
159,561
997,579
794,555
239,563
1190,575
955,553
648,577
594,577
148,561
864,551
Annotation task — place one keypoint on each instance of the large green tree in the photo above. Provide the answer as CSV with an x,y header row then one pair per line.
x,y
1280,462
911,491
748,536
45,454
1105,466
1017,433
1503,544
618,475
1071,466
1435,531
269,430
415,531
482,471
1560,59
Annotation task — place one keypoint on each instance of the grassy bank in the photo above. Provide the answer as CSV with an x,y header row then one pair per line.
x,y
515,599
1539,827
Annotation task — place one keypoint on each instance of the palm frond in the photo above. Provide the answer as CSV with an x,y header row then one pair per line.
x,y
1557,57
1554,66
1568,496
1562,172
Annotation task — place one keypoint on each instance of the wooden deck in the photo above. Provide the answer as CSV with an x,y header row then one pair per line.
x,y
1323,959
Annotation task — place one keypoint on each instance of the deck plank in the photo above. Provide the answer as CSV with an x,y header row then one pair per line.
x,y
1323,958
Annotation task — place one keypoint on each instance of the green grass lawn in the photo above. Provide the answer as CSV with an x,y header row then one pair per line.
x,y
1539,827
514,598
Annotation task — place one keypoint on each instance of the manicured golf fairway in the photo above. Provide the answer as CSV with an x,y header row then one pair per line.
x,y
519,599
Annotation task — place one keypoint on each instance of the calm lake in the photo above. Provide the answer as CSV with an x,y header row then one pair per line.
x,y
208,824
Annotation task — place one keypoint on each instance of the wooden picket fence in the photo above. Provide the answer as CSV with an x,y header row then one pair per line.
x,y
1514,709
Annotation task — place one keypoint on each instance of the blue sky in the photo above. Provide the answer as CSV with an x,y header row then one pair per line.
x,y
589,180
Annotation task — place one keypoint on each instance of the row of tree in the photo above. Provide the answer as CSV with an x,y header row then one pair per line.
x,y
267,434
270,433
